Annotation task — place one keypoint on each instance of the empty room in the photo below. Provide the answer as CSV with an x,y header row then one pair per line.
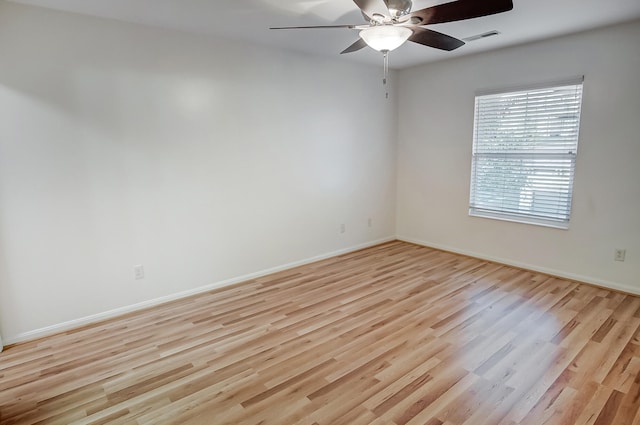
x,y
320,212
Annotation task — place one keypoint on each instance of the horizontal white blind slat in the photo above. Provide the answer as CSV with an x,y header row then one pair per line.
x,y
524,153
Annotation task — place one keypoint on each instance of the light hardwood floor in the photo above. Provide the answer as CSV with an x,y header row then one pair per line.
x,y
395,334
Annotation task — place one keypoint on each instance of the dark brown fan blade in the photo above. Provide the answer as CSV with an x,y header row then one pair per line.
x,y
360,44
372,7
461,9
314,27
435,39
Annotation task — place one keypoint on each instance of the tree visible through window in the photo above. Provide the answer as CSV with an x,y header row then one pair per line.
x,y
524,154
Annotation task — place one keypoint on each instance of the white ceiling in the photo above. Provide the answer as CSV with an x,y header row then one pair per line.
x,y
249,20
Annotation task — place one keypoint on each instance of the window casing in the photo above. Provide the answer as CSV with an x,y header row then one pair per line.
x,y
524,154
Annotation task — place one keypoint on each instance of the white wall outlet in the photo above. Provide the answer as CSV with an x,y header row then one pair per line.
x,y
138,272
370,222
620,254
343,228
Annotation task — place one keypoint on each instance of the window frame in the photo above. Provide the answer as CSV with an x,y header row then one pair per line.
x,y
478,209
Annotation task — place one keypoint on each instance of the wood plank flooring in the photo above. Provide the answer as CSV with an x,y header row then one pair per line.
x,y
392,335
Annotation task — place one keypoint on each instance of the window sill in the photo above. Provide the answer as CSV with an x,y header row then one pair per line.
x,y
521,220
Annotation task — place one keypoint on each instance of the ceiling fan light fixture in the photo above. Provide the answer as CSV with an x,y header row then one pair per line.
x,y
385,37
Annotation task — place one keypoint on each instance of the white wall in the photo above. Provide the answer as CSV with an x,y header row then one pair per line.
x,y
204,160
209,160
434,156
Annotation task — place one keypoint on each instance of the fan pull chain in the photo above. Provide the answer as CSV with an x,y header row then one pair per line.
x,y
385,54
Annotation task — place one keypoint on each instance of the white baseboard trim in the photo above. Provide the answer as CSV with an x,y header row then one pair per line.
x,y
559,273
83,321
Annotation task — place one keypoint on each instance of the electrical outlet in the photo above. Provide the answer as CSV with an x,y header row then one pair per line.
x,y
138,272
343,228
370,222
620,254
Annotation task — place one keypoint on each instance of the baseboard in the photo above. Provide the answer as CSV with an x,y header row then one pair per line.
x,y
76,323
559,273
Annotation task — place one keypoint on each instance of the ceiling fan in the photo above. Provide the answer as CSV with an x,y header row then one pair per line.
x,y
390,23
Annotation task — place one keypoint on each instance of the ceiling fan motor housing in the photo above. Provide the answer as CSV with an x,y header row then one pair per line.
x,y
399,8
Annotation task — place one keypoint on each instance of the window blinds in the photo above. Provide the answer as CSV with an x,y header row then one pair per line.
x,y
524,154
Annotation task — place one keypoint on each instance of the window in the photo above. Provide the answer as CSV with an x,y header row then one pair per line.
x,y
524,154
